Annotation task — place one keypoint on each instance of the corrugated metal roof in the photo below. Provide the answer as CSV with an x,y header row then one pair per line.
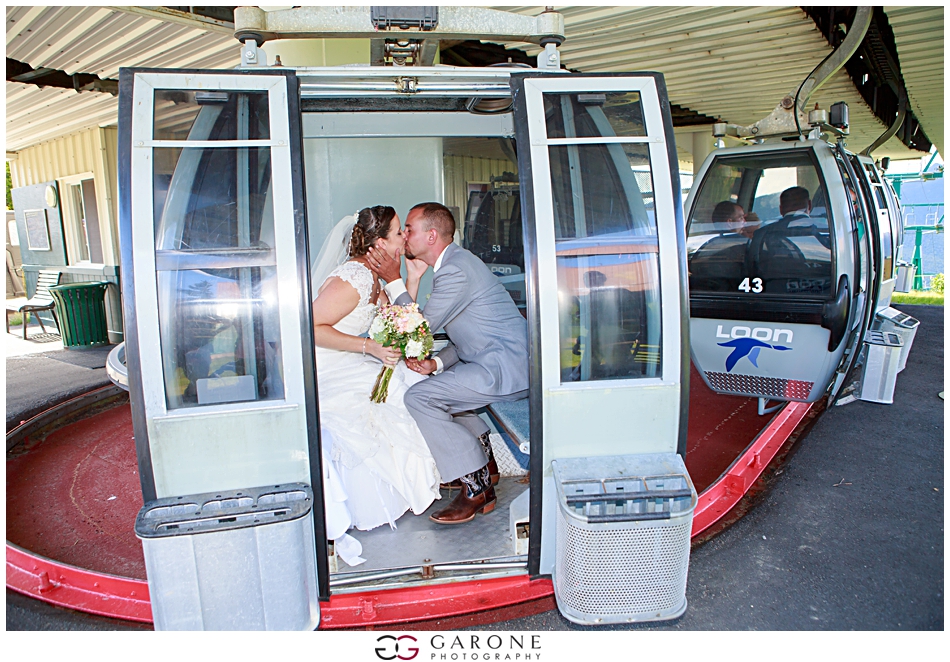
x,y
93,40
730,62
918,32
35,115
99,40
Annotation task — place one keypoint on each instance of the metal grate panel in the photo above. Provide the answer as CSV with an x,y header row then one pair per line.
x,y
621,572
762,387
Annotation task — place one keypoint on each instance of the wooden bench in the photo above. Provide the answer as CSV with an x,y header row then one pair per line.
x,y
41,300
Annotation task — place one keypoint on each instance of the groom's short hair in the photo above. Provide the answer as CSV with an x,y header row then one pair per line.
x,y
436,215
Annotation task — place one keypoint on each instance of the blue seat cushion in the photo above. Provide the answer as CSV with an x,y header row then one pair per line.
x,y
513,416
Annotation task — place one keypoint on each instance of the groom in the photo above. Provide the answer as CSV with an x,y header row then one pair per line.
x,y
485,361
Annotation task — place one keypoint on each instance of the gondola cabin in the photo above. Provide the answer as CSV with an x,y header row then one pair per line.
x,y
565,185
792,250
793,245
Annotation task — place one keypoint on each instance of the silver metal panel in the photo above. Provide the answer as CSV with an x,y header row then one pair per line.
x,y
256,578
881,364
905,277
438,81
773,371
763,387
367,125
453,23
902,324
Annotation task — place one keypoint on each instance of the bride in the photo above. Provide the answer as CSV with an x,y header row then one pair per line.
x,y
376,462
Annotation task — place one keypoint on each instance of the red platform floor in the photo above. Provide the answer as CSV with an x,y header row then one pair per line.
x,y
74,495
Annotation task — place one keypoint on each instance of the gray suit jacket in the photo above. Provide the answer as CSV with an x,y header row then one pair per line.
x,y
488,348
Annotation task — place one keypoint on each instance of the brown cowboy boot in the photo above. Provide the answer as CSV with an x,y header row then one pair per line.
x,y
477,496
485,441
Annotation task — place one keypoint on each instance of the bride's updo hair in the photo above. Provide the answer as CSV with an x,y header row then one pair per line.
x,y
372,223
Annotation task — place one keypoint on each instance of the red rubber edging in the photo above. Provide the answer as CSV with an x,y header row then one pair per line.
x,y
720,497
77,588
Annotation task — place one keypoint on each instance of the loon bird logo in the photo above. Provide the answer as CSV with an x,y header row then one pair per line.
x,y
747,347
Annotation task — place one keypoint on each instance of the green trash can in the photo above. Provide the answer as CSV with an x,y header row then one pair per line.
x,y
81,313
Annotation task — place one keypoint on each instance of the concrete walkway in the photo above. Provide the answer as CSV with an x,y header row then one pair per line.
x,y
41,374
849,536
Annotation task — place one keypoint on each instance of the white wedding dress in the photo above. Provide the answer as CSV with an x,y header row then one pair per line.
x,y
376,463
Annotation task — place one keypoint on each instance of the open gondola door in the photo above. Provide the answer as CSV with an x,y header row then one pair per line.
x,y
219,339
605,276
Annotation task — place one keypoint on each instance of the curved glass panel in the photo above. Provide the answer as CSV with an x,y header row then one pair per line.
x,y
220,336
188,114
212,198
602,190
760,225
607,261
608,308
594,114
214,237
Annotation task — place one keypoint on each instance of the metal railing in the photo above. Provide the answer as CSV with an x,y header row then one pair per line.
x,y
933,222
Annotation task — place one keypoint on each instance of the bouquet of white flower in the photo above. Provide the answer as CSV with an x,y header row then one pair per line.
x,y
403,327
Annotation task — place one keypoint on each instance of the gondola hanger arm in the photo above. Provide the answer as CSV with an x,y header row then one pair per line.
x,y
791,116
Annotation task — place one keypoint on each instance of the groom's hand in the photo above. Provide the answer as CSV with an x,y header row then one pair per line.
x,y
425,367
384,265
415,269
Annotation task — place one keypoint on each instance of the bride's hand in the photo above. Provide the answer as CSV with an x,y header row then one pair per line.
x,y
388,355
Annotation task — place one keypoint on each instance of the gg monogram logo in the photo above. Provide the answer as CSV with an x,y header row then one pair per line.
x,y
390,649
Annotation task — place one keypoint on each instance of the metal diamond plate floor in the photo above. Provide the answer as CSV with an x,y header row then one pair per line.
x,y
418,540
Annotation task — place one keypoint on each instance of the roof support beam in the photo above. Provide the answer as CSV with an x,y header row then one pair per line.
x,y
188,19
355,22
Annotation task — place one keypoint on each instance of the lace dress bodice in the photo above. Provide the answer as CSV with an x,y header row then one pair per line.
x,y
360,277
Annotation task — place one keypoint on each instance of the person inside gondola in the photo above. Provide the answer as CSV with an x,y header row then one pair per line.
x,y
735,218
377,465
792,255
720,264
795,206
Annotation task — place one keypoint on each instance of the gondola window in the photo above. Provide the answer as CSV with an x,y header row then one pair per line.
x,y
744,239
606,237
215,258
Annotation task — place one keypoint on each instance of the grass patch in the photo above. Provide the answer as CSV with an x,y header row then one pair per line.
x,y
925,297
16,319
